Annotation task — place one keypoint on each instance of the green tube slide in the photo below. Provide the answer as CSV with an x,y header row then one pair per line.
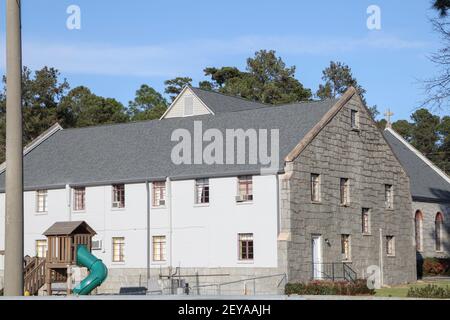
x,y
97,271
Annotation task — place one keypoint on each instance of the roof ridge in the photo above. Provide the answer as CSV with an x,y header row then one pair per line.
x,y
263,107
231,96
306,101
104,125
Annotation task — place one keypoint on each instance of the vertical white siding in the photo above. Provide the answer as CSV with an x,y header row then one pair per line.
x,y
177,109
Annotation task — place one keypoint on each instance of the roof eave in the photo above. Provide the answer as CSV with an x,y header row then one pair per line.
x,y
419,154
36,142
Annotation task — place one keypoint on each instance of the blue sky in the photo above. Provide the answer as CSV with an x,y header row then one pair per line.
x,y
123,44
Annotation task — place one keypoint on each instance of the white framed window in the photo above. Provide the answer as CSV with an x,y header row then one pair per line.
x,y
159,194
118,196
79,199
439,222
419,231
346,247
315,187
366,221
245,189
389,196
390,246
345,191
246,246
41,201
354,119
202,191
159,248
41,248
118,252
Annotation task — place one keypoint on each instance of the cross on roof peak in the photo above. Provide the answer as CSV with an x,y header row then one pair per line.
x,y
388,114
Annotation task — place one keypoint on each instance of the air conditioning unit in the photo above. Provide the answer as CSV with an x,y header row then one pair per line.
x,y
97,245
162,203
116,204
244,198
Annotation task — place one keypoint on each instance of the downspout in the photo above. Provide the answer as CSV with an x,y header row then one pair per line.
x,y
278,205
381,259
169,197
68,203
147,186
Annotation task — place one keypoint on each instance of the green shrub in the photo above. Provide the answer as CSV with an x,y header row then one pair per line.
x,y
329,288
430,292
436,267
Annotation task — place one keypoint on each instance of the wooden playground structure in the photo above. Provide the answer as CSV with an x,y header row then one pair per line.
x,y
63,238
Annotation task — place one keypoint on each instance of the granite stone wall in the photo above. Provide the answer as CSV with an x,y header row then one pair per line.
x,y
364,157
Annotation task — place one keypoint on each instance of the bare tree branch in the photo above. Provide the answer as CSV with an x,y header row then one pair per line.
x,y
437,89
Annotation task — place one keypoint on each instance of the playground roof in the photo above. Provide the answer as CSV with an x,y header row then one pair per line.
x,y
69,228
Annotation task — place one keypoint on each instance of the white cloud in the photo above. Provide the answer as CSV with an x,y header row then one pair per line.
x,y
184,57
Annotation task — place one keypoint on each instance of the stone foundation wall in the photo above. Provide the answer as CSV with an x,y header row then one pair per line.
x,y
212,281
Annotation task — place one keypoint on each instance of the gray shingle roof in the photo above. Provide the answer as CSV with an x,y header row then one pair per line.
x,y
221,103
426,183
134,152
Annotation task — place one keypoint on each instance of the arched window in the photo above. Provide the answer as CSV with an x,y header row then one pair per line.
x,y
419,226
438,229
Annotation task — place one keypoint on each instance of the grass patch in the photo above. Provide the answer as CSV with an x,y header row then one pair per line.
x,y
402,291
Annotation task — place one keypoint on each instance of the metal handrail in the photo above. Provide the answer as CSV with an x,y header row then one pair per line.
x,y
218,286
334,271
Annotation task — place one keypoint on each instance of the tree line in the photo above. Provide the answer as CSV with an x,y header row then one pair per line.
x,y
48,99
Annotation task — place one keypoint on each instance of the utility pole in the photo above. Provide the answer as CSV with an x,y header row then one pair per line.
x,y
14,153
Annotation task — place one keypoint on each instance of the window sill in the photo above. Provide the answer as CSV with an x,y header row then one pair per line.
x,y
118,209
159,263
118,263
390,209
244,203
367,234
79,212
316,202
201,205
158,208
345,205
243,262
391,255
356,130
41,213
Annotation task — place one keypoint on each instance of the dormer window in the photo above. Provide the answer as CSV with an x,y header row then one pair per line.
x,y
188,106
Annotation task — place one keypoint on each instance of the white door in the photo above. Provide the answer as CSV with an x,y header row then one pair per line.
x,y
317,257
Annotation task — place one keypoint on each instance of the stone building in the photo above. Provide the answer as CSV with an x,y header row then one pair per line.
x,y
325,199
430,190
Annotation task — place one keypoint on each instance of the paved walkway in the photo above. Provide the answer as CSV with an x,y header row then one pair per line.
x,y
434,279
